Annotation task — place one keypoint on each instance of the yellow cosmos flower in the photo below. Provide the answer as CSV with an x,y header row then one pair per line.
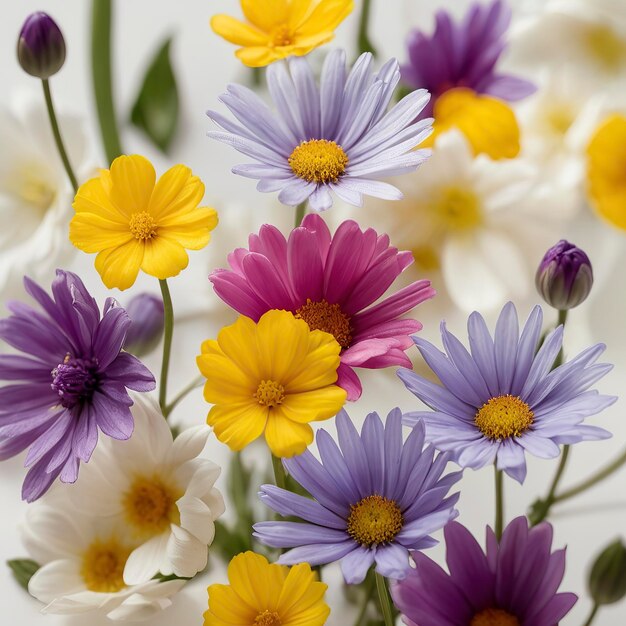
x,y
606,170
264,594
488,123
274,377
277,29
134,222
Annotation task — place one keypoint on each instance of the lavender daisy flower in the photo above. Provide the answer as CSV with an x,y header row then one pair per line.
x,y
464,55
504,398
337,137
376,498
72,381
514,584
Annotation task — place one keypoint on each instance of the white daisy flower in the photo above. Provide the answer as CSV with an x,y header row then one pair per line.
x,y
160,490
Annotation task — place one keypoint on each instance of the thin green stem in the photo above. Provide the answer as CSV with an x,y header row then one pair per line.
x,y
363,41
542,507
300,211
499,524
280,477
167,346
385,600
592,615
367,596
194,384
58,139
101,19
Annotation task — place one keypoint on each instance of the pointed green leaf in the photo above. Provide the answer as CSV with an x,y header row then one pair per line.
x,y
156,108
23,570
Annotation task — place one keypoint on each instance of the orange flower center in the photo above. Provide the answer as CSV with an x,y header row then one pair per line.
x,y
327,317
503,417
103,566
374,520
267,618
269,393
142,226
318,161
494,617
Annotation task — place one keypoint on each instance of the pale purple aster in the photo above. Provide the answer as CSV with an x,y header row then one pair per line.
x,y
350,109
464,54
70,381
514,583
371,483
332,282
507,383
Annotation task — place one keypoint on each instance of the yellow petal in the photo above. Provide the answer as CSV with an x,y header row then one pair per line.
x,y
285,437
132,180
302,597
238,425
239,343
267,14
326,16
163,258
118,267
256,581
226,383
256,56
237,32
93,197
226,607
191,229
177,190
319,404
319,367
91,233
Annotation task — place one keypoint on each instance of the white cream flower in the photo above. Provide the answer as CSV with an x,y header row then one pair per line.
x,y
83,562
160,490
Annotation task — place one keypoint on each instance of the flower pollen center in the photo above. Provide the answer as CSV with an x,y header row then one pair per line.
x,y
606,46
458,209
374,520
327,317
103,566
142,226
269,393
150,505
282,36
267,618
318,161
74,380
503,417
494,617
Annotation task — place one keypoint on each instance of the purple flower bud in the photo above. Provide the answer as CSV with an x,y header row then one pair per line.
x,y
564,278
41,47
147,321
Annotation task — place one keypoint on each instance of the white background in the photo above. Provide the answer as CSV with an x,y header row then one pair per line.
x,y
204,64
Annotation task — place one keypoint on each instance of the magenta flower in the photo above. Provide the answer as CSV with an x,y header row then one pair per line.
x,y
331,282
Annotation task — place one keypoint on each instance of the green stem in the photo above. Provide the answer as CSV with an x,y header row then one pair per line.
x,y
58,139
385,600
363,41
300,211
167,346
499,503
280,476
592,615
367,596
543,506
194,384
101,18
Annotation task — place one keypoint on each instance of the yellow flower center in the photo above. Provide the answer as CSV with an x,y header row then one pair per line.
x,y
426,257
458,209
374,520
606,46
282,36
150,505
494,617
503,417
142,226
103,566
318,161
560,118
269,393
267,618
327,317
27,184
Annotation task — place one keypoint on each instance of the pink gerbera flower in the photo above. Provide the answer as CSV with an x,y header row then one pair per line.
x,y
330,282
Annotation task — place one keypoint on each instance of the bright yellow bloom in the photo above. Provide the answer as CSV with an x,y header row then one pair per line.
x,y
488,123
275,376
134,222
264,594
606,170
277,29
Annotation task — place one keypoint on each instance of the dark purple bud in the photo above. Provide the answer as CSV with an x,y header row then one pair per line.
x,y
147,319
41,47
564,278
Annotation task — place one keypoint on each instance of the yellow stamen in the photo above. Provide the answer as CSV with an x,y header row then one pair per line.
x,y
267,618
494,617
606,46
457,208
282,36
374,520
103,566
269,393
503,417
327,317
318,161
142,226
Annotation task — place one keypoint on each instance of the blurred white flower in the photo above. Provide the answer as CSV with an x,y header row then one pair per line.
x,y
35,194
160,490
82,562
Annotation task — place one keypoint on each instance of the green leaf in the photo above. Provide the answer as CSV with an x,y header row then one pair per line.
x,y
23,570
156,108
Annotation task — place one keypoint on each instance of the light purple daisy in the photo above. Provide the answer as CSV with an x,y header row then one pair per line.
x,y
464,54
339,136
332,283
514,584
71,381
375,499
504,399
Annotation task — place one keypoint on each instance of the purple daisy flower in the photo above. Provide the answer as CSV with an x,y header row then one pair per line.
x,y
504,398
330,283
514,584
338,136
72,382
464,55
376,498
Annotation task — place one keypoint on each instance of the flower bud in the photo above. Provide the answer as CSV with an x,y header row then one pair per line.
x,y
564,277
147,321
607,580
41,47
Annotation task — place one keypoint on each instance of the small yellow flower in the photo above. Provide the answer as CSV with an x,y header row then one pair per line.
x,y
274,377
264,594
277,29
134,222
488,123
606,170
